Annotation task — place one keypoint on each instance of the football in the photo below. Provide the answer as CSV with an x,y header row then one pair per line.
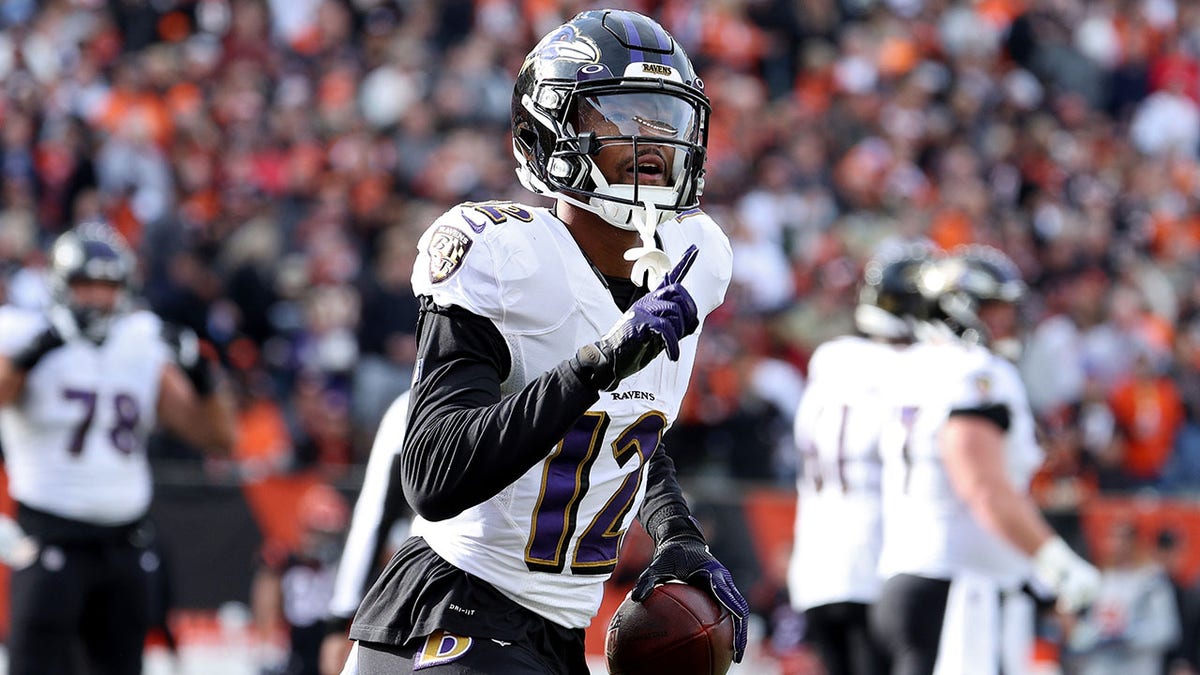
x,y
677,629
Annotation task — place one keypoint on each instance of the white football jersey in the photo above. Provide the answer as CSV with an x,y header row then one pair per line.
x,y
838,531
75,440
928,529
550,539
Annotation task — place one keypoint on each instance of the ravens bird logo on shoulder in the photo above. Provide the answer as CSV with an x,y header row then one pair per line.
x,y
446,252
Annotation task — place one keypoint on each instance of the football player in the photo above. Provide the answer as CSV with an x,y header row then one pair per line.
x,y
81,388
831,575
555,345
961,533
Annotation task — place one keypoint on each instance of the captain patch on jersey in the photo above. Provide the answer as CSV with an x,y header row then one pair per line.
x,y
447,249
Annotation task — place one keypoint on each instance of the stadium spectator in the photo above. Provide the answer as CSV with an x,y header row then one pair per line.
x,y
293,588
1148,415
1134,620
1167,552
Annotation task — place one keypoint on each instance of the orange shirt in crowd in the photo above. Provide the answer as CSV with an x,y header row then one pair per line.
x,y
143,111
1150,413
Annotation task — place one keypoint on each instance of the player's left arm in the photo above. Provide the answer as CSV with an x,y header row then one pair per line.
x,y
680,549
12,381
207,421
193,402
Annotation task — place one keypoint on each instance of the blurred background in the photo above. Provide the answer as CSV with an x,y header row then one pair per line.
x,y
274,161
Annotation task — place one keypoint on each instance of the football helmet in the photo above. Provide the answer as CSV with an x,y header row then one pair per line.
x,y
92,251
964,281
605,78
890,299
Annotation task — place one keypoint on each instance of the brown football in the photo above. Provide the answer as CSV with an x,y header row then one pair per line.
x,y
677,629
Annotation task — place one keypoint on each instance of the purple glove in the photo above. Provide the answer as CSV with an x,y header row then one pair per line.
x,y
656,322
686,558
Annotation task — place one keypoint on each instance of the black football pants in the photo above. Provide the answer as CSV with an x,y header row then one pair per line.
x,y
907,620
80,604
841,635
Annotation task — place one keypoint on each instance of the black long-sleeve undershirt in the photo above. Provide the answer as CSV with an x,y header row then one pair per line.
x,y
465,443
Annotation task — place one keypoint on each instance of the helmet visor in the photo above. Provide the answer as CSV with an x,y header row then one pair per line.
x,y
639,114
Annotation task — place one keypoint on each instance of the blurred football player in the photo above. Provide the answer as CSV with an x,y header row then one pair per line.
x,y
961,533
555,346
832,576
81,388
379,511
297,585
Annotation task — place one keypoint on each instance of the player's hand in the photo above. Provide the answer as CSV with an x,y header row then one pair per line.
x,y
185,351
656,322
17,549
1074,580
686,558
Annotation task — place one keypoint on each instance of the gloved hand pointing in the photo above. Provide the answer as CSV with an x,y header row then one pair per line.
x,y
656,322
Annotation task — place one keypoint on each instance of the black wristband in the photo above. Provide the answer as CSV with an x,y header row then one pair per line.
x,y
592,367
201,377
338,625
45,342
671,521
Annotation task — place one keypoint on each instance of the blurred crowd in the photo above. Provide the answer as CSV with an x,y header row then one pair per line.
x,y
274,162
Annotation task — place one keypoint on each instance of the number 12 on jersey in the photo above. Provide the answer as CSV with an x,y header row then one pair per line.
x,y
565,481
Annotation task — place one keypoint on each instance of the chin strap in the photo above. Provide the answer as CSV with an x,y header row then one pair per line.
x,y
650,263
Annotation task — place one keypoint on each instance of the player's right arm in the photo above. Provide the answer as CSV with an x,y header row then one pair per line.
x,y
973,452
25,339
465,442
973,446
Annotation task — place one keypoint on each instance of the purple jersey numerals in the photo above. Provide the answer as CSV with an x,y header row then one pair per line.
x,y
126,415
565,481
